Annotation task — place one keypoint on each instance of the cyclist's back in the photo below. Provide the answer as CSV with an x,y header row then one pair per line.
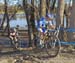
x,y
42,25
46,23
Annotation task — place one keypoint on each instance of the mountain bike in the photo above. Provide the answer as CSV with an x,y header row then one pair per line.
x,y
49,45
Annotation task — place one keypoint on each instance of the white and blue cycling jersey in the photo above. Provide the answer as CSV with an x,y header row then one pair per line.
x,y
42,23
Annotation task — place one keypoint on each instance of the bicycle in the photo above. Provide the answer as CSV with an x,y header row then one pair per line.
x,y
14,39
49,45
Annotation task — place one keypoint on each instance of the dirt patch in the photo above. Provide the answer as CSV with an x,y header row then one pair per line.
x,y
62,58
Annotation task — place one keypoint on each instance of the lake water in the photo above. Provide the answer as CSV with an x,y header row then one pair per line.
x,y
14,22
22,21
18,21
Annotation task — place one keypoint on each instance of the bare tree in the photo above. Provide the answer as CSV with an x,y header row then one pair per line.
x,y
60,15
27,11
32,18
72,21
7,17
72,17
60,12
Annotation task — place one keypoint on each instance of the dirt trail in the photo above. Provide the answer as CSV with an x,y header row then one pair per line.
x,y
62,58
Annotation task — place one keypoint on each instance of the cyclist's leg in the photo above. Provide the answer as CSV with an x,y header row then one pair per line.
x,y
16,42
16,39
40,37
11,40
40,33
11,37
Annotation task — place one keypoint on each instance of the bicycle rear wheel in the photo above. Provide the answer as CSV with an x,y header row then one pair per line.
x,y
53,47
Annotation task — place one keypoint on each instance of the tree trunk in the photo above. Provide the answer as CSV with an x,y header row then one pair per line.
x,y
53,6
72,22
3,20
60,12
72,17
27,13
7,18
47,6
60,15
32,19
43,8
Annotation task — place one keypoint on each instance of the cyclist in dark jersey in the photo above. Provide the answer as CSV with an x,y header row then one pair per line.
x,y
13,34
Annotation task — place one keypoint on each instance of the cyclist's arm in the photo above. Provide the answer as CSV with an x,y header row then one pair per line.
x,y
51,26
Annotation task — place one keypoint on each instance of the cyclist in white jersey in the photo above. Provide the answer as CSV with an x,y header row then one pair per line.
x,y
50,21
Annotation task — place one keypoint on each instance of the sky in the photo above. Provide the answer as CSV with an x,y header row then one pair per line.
x,y
20,22
13,2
